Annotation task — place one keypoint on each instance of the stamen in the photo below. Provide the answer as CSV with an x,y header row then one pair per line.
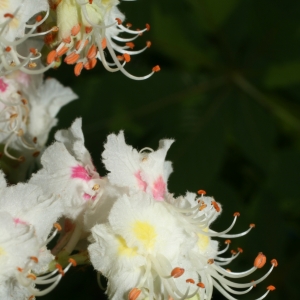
x,y
34,258
201,285
134,293
260,260
57,226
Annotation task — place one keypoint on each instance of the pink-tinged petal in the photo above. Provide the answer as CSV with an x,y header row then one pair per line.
x,y
88,197
159,189
19,221
3,85
81,173
142,184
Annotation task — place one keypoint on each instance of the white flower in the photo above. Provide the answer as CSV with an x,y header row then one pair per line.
x,y
86,28
28,106
16,28
146,170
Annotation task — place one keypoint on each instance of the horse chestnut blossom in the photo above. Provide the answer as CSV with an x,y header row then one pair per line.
x,y
155,246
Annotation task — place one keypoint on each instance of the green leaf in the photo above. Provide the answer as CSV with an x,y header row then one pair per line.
x,y
283,75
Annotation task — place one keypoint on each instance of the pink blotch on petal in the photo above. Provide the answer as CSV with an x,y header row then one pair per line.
x,y
80,172
88,197
159,189
3,85
19,221
142,184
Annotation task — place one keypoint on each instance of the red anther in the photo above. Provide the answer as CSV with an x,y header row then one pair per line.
x,y
233,252
148,44
57,226
201,285
71,58
177,272
190,280
90,64
7,49
34,258
274,262
252,225
148,26
38,18
240,250
31,276
130,45
202,206
201,192
60,269
78,68
92,52
103,43
227,242
126,57
19,269
260,260
33,51
75,29
119,21
34,139
63,50
72,261
36,153
90,1
134,293
128,25
8,15
21,159
49,38
88,29
236,214
67,40
216,206
271,288
51,57
156,68
210,261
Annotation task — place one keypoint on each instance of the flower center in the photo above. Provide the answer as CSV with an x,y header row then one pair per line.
x,y
145,233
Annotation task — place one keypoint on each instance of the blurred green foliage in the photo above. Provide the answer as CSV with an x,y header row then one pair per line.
x,y
229,93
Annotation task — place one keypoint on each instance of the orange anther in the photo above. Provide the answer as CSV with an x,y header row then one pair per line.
x,y
227,242
51,57
71,58
32,65
128,25
126,57
8,15
60,269
233,252
33,51
67,40
271,288
210,261
148,44
148,26
72,261
130,45
177,272
119,21
202,206
252,225
216,206
32,297
90,64
103,43
201,192
78,68
134,293
88,29
55,29
19,269
63,50
201,285
21,158
31,276
7,49
75,29
39,18
92,52
34,258
274,262
254,285
228,270
57,226
240,250
90,1
36,153
120,57
190,280
236,214
81,44
260,260
156,68
138,30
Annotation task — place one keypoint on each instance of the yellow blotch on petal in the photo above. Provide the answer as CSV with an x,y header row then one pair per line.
x,y
145,233
123,249
203,240
2,252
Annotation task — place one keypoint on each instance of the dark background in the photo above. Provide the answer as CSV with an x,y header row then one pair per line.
x,y
228,92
